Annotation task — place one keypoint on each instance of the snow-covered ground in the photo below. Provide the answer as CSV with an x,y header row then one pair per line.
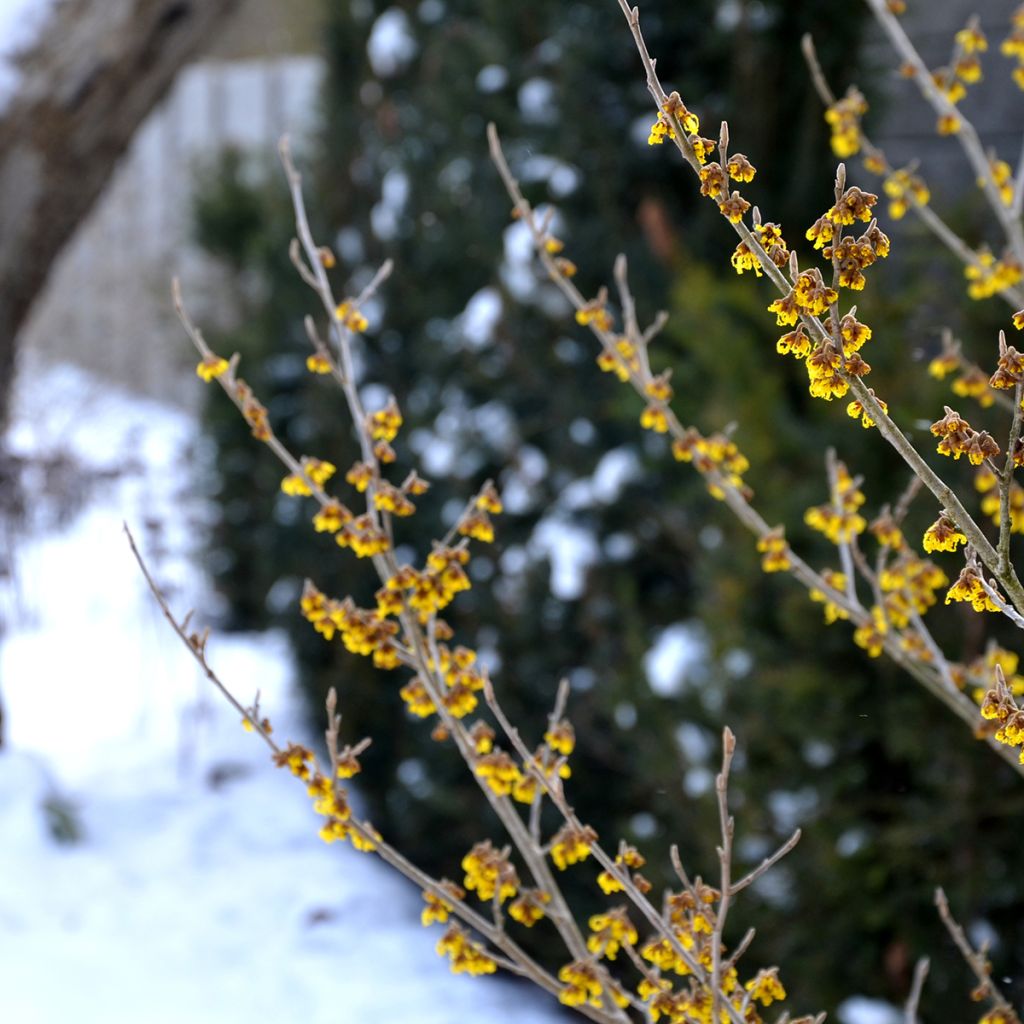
x,y
198,890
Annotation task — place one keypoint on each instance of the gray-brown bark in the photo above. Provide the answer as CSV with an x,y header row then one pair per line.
x,y
99,68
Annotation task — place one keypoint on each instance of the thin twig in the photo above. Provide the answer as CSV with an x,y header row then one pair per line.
x,y
914,999
975,959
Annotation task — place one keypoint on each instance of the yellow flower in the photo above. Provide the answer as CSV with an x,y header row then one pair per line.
x,y
350,316
740,168
871,635
464,955
528,907
385,423
561,737
478,525
582,984
766,987
489,873
970,590
611,931
972,40
774,550
295,485
211,366
654,418
943,535
499,771
571,845
331,517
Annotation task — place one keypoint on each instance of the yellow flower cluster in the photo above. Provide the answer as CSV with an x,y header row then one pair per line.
x,y
429,591
770,237
986,484
969,589
1013,45
489,873
655,414
852,205
673,110
350,316
972,383
297,759
943,535
837,581
331,517
1010,370
570,845
319,362
211,367
477,525
388,498
582,984
774,550
437,909
855,410
561,737
362,537
766,987
505,778
910,584
989,276
810,295
528,907
714,454
998,706
331,802
956,438
871,634
944,364
611,931
501,774
843,119
329,799
977,674
316,470
362,632
384,424
854,256
1001,177
714,183
839,519
621,360
905,189
462,683
631,858
594,314
464,955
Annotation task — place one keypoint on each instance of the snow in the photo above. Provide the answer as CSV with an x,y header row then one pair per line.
x,y
537,101
491,78
391,44
861,1010
477,323
21,22
198,889
678,649
571,550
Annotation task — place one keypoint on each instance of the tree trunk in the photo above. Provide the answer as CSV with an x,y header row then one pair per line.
x,y
98,69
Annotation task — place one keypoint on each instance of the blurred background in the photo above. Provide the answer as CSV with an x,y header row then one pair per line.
x,y
149,857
